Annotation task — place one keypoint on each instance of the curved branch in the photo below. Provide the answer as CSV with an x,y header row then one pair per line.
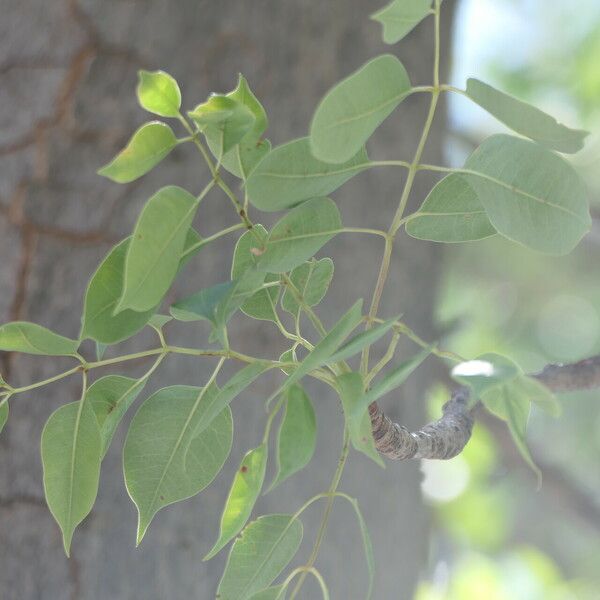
x,y
446,437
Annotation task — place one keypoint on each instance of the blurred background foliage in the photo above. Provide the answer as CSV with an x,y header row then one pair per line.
x,y
495,536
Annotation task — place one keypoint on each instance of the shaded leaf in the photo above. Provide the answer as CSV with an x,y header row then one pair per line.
x,y
158,93
312,280
539,394
30,338
273,593
3,413
159,321
400,17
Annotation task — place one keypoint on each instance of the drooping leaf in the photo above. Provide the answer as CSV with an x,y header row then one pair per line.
x,y
290,174
485,372
351,389
156,246
158,93
71,455
29,338
452,212
297,436
245,489
110,397
147,147
183,461
400,17
299,234
224,121
539,394
526,119
312,280
264,549
3,413
531,195
260,305
355,107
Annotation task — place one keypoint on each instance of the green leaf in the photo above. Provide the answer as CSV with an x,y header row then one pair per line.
x,y
159,321
29,338
299,234
224,121
290,174
245,489
273,593
110,398
351,111
358,421
3,413
526,119
485,372
358,342
452,212
531,195
400,17
183,461
158,93
262,304
391,380
264,549
147,147
312,280
71,456
297,436
156,246
539,394
100,350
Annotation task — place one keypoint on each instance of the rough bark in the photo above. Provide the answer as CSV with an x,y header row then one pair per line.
x,y
67,79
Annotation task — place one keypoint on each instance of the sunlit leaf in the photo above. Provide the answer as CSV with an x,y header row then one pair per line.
x,y
244,491
400,17
264,549
183,461
299,234
290,174
485,372
297,436
312,280
29,338
452,212
531,195
526,119
355,107
156,246
147,147
158,93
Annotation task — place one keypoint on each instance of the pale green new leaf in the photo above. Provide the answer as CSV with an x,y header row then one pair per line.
x,y
452,212
158,93
299,234
259,555
147,147
29,338
3,413
245,489
110,397
156,246
355,107
351,390
400,17
290,174
71,455
297,435
312,280
540,395
531,195
526,119
164,459
485,372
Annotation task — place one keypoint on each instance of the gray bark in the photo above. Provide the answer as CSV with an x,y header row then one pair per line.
x,y
67,79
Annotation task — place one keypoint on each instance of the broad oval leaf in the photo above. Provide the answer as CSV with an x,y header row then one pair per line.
x,y
485,372
3,413
312,280
71,455
531,195
259,555
526,119
297,437
183,461
452,212
290,174
146,148
29,338
156,246
355,107
299,234
158,93
400,17
245,489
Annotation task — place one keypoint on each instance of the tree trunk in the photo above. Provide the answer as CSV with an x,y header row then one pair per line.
x,y
67,82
